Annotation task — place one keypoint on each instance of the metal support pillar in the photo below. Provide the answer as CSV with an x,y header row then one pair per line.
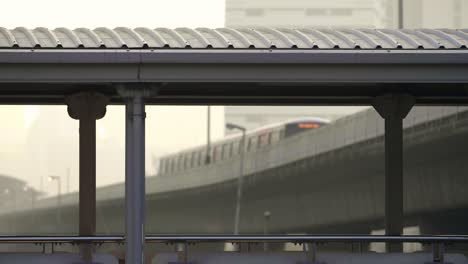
x,y
87,108
134,171
393,108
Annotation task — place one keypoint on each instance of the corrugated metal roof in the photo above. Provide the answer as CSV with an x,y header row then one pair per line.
x,y
224,38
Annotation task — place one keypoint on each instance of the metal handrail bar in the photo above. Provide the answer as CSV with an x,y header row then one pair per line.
x,y
61,239
308,238
237,238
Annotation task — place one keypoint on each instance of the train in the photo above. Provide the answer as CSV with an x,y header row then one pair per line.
x,y
229,146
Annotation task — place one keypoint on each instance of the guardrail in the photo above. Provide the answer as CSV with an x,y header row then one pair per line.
x,y
446,239
237,238
309,241
307,238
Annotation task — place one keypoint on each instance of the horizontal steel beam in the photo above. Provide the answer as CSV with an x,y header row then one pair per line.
x,y
243,77
225,56
286,73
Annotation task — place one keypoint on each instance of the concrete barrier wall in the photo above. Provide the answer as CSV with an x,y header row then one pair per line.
x,y
343,132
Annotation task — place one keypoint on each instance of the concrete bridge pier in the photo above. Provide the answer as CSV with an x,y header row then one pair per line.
x,y
87,108
393,108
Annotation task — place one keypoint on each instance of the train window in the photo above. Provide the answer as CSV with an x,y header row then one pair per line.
x,y
274,137
221,152
176,164
186,161
235,148
161,166
168,166
173,165
201,157
281,134
263,139
252,143
295,128
180,163
226,148
215,153
231,146
193,161
260,141
189,161
183,161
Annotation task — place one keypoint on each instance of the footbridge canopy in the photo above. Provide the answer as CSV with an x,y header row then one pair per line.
x,y
235,66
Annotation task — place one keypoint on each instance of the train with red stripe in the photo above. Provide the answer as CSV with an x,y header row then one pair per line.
x,y
228,147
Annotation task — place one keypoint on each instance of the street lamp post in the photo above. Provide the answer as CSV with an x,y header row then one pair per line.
x,y
59,194
208,135
240,177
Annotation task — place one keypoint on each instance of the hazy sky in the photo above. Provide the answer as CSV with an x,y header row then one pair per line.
x,y
112,13
41,141
168,128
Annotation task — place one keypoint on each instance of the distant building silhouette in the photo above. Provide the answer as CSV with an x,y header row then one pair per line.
x,y
300,13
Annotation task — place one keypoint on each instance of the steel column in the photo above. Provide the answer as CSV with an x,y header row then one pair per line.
x,y
393,108
87,108
135,179
134,171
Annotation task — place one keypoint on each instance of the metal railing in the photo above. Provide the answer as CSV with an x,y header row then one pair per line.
x,y
307,238
445,239
309,241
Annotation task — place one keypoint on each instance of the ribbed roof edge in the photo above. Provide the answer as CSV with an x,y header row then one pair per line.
x,y
229,38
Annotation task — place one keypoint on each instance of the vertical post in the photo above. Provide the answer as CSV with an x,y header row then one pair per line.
x,y
59,202
438,253
239,183
310,249
87,108
87,183
134,172
208,135
129,183
135,188
393,108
